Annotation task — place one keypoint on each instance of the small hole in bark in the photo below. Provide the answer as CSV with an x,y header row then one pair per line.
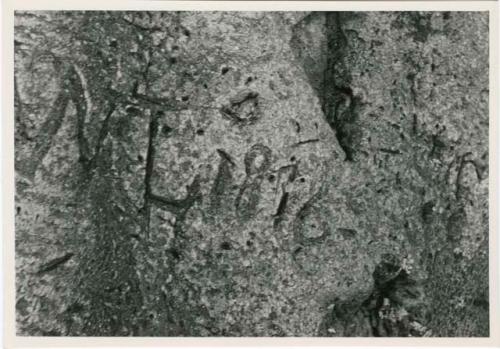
x,y
292,159
173,60
225,246
200,132
185,98
175,253
140,158
224,70
166,130
271,178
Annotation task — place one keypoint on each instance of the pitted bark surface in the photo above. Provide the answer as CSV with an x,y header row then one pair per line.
x,y
251,174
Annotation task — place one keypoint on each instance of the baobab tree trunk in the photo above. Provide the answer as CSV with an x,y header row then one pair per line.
x,y
251,173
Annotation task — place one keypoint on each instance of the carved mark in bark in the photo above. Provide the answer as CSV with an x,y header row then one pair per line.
x,y
53,264
71,90
248,198
19,112
226,156
280,211
309,226
257,160
243,107
390,151
307,141
48,130
282,204
223,178
462,162
77,94
178,207
103,132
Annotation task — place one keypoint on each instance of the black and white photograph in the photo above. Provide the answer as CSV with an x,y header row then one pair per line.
x,y
251,173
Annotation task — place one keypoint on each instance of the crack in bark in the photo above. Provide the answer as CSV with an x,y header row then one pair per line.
x,y
339,104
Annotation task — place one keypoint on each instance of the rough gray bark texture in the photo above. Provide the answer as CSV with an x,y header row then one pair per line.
x,y
252,174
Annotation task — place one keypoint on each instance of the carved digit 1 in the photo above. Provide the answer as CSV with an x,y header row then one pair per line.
x,y
257,161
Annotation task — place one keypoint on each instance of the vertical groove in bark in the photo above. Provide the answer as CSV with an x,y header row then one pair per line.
x,y
340,106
